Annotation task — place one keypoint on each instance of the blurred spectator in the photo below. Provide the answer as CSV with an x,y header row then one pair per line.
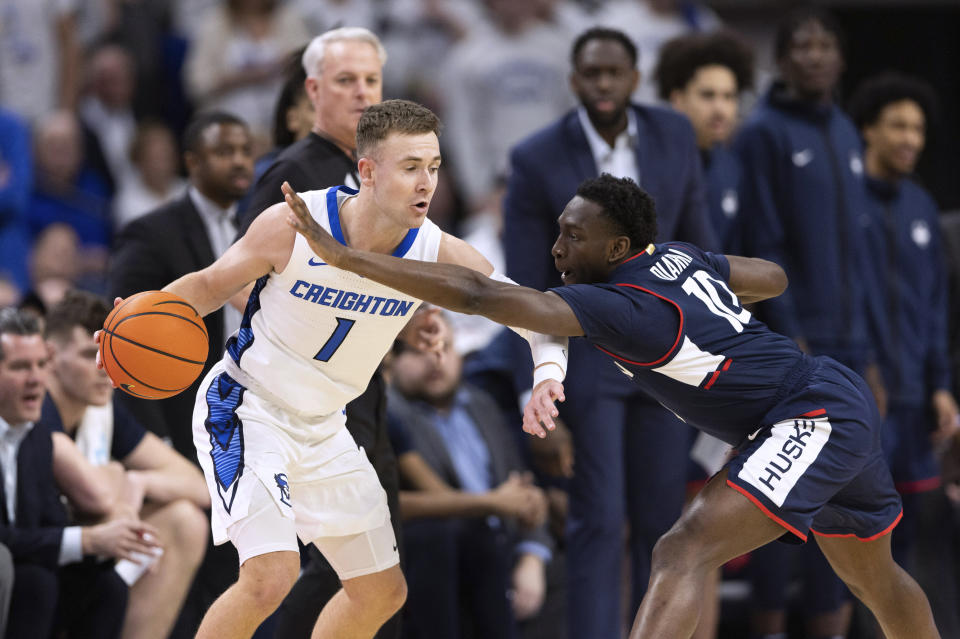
x,y
418,33
506,79
893,112
703,76
153,180
106,111
234,62
650,24
55,263
293,114
89,430
324,15
39,56
803,204
16,182
642,449
60,579
66,191
459,570
183,236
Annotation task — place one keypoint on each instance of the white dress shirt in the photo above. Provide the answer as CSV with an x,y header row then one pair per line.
x,y
619,160
221,229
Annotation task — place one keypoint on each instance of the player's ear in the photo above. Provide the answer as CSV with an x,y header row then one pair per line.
x,y
365,167
618,248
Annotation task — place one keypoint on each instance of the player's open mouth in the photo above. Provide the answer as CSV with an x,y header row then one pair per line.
x,y
31,398
421,206
565,275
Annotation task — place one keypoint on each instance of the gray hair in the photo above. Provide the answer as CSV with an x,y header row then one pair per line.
x,y
14,321
313,56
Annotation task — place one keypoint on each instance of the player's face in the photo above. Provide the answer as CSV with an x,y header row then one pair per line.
x,y
402,171
603,78
350,80
75,369
223,167
23,375
710,101
432,377
898,136
813,63
581,252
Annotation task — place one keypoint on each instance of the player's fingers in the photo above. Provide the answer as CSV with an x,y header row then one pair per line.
x,y
117,301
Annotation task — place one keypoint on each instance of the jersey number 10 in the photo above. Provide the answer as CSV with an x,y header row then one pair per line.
x,y
708,290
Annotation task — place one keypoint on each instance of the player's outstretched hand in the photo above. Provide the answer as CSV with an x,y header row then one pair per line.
x,y
322,243
96,337
540,410
426,331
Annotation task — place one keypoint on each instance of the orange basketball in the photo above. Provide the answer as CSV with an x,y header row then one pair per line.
x,y
153,345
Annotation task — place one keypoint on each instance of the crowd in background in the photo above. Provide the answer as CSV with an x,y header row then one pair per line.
x,y
111,110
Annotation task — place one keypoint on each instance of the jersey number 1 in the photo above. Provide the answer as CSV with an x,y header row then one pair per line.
x,y
707,289
334,341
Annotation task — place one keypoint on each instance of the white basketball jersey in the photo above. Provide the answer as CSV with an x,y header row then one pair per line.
x,y
312,336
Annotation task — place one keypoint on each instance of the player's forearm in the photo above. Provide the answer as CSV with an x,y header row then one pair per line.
x,y
754,279
196,290
453,287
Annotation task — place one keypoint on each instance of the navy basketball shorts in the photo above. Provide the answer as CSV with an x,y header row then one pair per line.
x,y
817,462
908,448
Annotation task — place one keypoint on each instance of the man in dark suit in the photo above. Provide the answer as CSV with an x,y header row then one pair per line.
x,y
462,571
181,237
631,454
58,576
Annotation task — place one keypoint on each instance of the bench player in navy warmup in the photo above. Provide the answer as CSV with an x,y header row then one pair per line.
x,y
671,318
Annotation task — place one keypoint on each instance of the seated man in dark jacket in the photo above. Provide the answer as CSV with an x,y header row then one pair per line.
x,y
58,572
487,562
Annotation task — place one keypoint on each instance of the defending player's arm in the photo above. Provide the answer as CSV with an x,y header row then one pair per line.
x,y
549,351
452,286
265,247
753,279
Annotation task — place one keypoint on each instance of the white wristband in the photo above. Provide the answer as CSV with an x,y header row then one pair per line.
x,y
549,357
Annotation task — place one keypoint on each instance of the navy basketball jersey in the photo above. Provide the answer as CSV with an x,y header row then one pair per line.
x,y
670,322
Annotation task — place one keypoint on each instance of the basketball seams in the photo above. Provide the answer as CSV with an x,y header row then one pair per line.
x,y
151,349
199,325
115,359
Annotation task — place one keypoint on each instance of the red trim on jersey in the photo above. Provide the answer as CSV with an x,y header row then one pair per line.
x,y
675,342
645,251
815,413
766,511
917,486
865,539
716,374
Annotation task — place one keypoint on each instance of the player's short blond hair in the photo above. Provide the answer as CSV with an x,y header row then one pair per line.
x,y
393,116
313,55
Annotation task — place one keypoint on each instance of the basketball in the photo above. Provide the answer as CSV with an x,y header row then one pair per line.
x,y
153,345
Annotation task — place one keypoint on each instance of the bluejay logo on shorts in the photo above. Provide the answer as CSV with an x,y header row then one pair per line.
x,y
281,479
224,396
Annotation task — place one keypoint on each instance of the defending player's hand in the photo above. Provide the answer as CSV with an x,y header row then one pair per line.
x,y
426,331
322,243
540,410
